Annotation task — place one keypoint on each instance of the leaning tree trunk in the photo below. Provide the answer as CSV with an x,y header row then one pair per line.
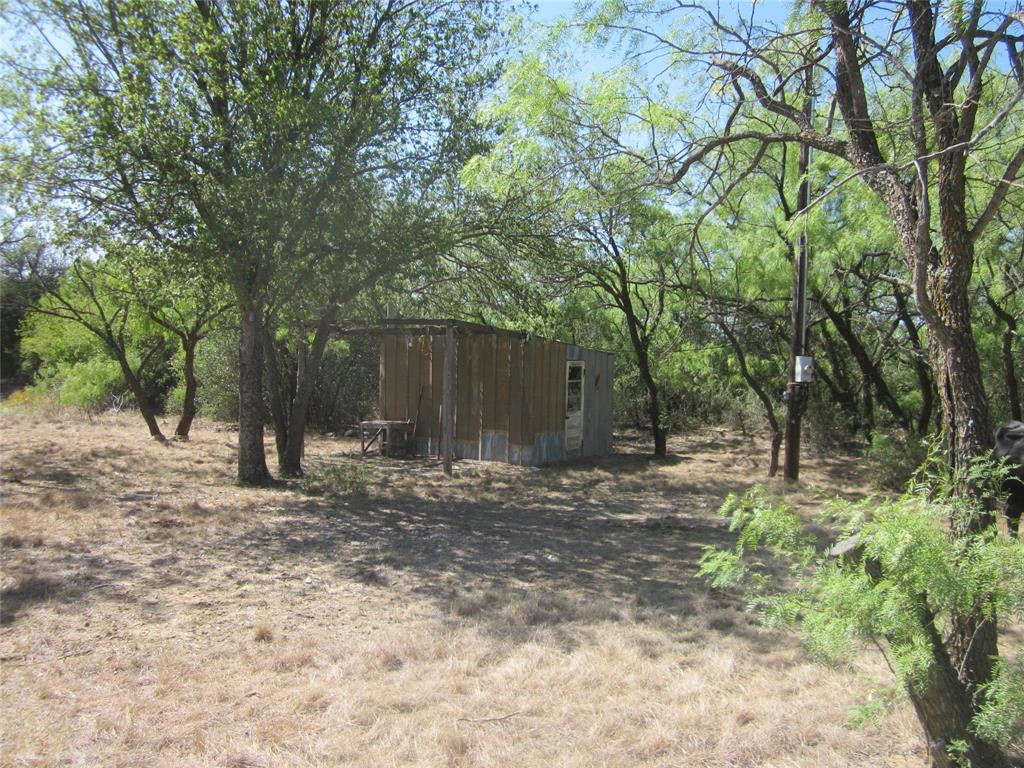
x,y
290,463
252,460
869,369
132,380
188,407
944,706
775,444
643,363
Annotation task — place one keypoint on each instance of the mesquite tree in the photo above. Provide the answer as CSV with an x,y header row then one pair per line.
x,y
912,102
578,217
96,296
243,125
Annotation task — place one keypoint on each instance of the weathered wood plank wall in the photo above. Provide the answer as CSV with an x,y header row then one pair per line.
x,y
509,395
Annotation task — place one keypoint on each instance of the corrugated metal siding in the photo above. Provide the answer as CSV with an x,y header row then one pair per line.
x,y
464,434
515,400
495,373
509,395
549,392
437,348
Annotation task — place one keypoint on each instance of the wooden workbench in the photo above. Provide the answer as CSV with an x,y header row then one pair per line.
x,y
392,436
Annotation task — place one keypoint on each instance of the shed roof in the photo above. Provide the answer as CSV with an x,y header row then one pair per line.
x,y
410,326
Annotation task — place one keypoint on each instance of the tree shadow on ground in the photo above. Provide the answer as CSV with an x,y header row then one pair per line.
x,y
66,579
547,546
611,539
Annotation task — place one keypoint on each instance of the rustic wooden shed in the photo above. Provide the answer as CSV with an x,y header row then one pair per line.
x,y
513,397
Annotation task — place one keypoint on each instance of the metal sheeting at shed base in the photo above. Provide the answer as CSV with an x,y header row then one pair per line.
x,y
509,394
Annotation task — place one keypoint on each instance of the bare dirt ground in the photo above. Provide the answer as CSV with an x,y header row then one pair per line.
x,y
155,614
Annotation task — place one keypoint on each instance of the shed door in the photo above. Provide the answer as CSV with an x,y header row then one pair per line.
x,y
574,373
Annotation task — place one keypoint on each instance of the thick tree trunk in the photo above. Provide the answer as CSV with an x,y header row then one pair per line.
x,y
188,406
963,402
940,280
944,707
252,460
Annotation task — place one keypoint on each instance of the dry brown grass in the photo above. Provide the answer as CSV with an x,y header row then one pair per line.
x,y
154,614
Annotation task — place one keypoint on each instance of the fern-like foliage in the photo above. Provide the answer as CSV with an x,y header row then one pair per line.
x,y
898,583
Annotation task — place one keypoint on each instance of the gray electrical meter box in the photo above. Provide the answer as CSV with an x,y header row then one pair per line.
x,y
803,372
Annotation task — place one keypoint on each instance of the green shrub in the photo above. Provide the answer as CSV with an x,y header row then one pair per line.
x,y
91,385
217,374
336,480
904,584
892,459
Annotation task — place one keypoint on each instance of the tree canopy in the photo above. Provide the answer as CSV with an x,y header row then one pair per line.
x,y
628,179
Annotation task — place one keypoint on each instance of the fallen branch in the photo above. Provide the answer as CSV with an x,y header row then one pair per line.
x,y
487,719
21,661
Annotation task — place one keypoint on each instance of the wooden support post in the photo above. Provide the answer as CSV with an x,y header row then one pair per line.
x,y
447,401
796,393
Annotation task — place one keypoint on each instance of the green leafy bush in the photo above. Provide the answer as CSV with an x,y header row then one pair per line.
x,y
217,372
336,480
892,459
91,385
902,583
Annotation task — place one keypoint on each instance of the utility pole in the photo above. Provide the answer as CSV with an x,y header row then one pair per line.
x,y
799,369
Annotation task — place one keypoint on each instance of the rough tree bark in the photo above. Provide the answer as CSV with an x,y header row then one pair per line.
x,y
940,278
252,460
188,406
946,70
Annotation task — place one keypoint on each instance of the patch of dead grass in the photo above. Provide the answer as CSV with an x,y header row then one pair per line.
x,y
262,633
508,616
